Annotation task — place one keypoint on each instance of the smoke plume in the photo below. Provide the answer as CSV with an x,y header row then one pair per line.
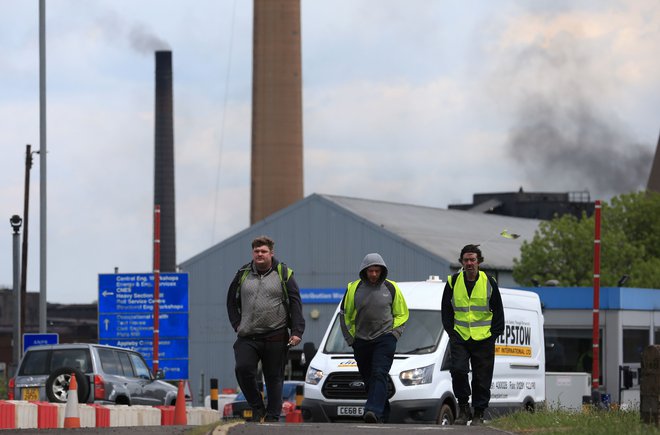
x,y
144,41
576,148
564,135
140,38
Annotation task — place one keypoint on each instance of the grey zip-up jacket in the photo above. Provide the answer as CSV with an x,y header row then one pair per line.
x,y
373,309
260,309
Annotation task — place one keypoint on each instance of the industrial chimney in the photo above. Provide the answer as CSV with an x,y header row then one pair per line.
x,y
654,177
277,153
164,160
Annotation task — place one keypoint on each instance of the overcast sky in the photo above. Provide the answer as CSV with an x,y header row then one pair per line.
x,y
419,101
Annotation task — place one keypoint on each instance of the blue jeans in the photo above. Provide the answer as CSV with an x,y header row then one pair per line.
x,y
374,359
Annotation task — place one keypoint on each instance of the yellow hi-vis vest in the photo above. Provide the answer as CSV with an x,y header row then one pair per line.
x,y
399,308
472,315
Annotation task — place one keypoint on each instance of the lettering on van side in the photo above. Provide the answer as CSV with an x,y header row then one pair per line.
x,y
516,340
512,385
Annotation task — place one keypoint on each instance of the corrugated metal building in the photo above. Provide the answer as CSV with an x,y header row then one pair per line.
x,y
324,238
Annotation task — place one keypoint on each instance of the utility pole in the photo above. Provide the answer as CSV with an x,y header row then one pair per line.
x,y
16,222
42,169
26,205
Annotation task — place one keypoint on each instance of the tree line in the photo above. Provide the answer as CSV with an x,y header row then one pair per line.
x,y
563,248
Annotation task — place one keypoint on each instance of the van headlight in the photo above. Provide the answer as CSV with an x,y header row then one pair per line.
x,y
313,376
418,376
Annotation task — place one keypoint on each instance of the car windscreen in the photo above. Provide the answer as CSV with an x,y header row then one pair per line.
x,y
44,362
421,335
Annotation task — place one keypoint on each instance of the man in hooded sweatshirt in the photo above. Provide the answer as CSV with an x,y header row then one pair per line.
x,y
374,313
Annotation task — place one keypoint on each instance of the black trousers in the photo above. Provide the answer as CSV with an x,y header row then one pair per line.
x,y
374,359
273,356
479,354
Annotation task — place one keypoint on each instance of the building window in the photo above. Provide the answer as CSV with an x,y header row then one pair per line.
x,y
634,343
569,350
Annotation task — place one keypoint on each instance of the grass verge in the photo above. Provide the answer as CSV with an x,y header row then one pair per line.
x,y
592,422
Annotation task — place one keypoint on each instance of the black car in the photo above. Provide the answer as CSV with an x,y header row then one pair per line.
x,y
239,408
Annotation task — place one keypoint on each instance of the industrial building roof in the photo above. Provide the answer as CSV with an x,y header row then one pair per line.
x,y
444,232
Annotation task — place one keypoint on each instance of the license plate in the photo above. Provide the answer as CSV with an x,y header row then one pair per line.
x,y
30,394
247,413
356,411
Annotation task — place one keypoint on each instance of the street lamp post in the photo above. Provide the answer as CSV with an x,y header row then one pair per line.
x,y
16,223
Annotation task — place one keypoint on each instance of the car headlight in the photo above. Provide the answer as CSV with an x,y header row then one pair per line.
x,y
418,376
313,376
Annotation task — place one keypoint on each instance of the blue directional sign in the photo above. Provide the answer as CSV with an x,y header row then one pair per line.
x,y
146,347
126,305
39,339
141,325
134,293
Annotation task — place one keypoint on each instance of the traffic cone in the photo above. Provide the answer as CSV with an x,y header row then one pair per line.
x,y
71,415
180,417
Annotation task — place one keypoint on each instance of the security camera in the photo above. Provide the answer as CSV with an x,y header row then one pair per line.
x,y
16,223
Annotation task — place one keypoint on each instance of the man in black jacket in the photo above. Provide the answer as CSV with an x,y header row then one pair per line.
x,y
263,303
473,316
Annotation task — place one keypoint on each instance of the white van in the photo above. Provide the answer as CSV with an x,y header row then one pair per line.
x,y
420,388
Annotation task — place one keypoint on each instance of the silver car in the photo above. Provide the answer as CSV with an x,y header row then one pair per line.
x,y
105,375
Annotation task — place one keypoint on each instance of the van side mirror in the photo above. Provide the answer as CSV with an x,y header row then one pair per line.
x,y
160,374
309,350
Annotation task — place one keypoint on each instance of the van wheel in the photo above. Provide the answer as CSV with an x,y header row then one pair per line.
x,y
57,385
446,415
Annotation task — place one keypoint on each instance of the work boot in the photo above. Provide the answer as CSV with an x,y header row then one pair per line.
x,y
463,414
258,415
370,417
478,419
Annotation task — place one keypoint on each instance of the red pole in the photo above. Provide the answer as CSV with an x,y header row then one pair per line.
x,y
156,284
595,369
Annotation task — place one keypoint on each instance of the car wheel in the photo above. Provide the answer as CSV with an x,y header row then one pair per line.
x,y
57,385
446,416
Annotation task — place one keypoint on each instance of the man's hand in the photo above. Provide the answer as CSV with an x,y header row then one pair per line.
x,y
294,340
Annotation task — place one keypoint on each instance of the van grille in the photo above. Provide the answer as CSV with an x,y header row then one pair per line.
x,y
349,385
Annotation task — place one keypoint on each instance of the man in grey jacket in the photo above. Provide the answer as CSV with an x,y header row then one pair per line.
x,y
374,316
263,304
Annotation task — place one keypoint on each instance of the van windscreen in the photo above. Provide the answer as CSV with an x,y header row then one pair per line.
x,y
421,335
